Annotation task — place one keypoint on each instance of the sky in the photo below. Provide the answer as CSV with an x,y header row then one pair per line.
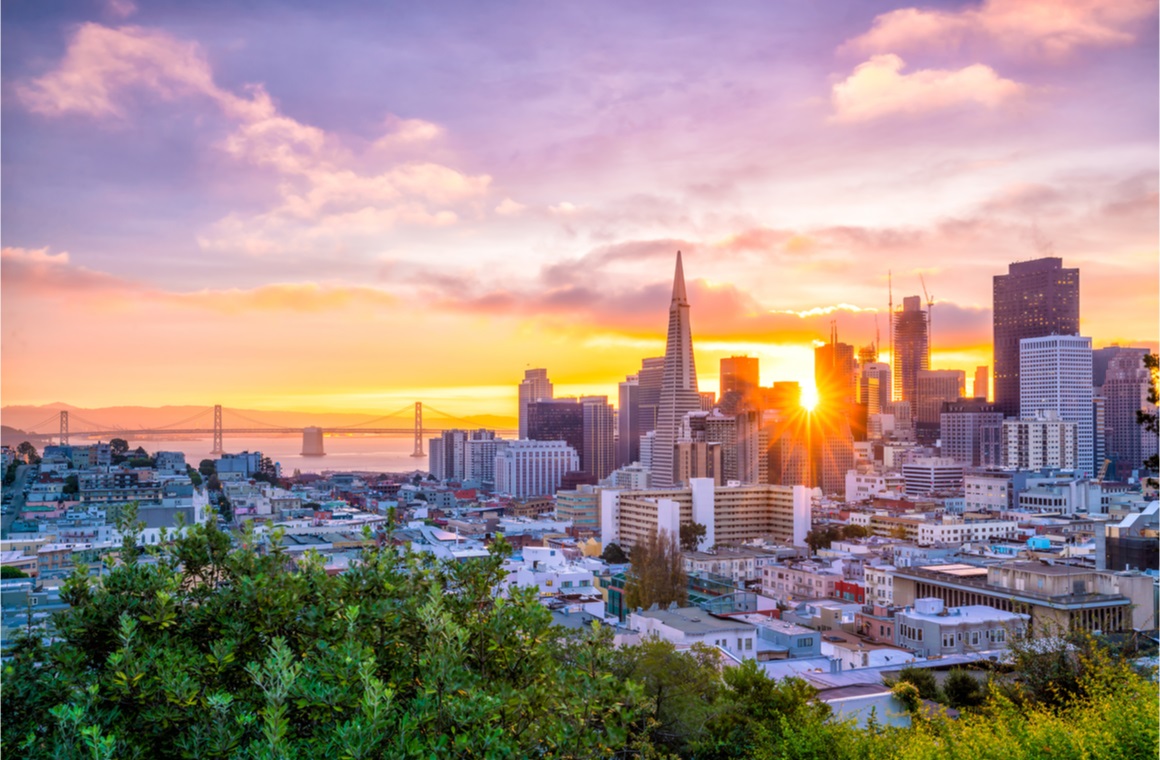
x,y
349,206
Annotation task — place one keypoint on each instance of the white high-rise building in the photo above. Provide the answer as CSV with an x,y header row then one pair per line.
x,y
533,468
1055,374
1045,441
679,394
480,458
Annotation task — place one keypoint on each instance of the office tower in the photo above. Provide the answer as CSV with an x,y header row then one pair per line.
x,y
911,344
935,386
833,452
1034,299
1055,374
533,468
982,386
1125,391
834,373
697,459
708,400
868,354
1041,440
651,378
740,374
628,422
534,387
1102,357
597,457
970,430
435,461
874,386
679,394
1100,434
784,396
560,419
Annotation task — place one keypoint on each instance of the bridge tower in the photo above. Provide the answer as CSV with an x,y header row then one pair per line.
x,y
64,427
418,452
217,431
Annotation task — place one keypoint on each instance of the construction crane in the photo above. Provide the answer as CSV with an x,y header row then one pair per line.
x,y
929,321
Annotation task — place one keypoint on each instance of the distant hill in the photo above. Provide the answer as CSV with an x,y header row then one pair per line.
x,y
10,436
44,420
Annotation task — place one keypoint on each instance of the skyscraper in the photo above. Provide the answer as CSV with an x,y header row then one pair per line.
x,y
534,387
981,388
560,419
934,387
874,386
1034,299
834,374
1055,375
628,422
912,345
598,451
741,374
1125,390
679,394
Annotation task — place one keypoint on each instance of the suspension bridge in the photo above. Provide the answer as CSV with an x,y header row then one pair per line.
x,y
239,424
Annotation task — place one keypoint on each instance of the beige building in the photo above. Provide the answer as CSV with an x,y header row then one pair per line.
x,y
731,515
1058,597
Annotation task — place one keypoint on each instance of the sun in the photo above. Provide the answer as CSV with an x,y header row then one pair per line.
x,y
809,398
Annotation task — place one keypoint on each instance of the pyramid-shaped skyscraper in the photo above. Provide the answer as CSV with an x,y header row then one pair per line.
x,y
679,392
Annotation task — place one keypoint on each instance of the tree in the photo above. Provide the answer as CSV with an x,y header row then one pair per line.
x,y
614,555
194,476
118,447
923,680
1149,420
28,452
9,572
221,652
961,689
656,574
10,474
72,486
207,467
691,535
225,508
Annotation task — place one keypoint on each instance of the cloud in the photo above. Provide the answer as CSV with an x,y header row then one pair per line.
x,y
878,88
120,8
33,256
321,180
1037,28
508,207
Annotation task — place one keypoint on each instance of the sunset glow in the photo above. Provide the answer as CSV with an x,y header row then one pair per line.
x,y
284,207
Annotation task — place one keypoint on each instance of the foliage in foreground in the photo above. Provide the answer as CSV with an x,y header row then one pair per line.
x,y
219,652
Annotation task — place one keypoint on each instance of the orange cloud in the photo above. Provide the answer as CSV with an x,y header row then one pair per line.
x,y
878,88
1049,28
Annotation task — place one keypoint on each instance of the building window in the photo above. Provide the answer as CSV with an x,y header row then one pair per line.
x,y
974,638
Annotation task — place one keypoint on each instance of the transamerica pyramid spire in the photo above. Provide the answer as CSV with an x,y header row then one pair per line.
x,y
679,391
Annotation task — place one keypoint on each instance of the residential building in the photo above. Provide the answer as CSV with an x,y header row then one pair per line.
x,y
685,626
1043,441
1125,392
580,507
956,532
731,515
931,629
479,455
1055,374
1034,299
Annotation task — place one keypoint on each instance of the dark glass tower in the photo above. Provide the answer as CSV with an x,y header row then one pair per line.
x,y
1035,298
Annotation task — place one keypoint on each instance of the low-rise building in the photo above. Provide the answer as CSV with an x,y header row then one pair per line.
x,y
685,626
931,629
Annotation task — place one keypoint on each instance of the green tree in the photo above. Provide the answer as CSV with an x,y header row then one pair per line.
x,y
614,555
10,474
225,508
72,486
691,535
923,680
8,571
214,650
28,452
656,574
961,689
207,467
194,476
118,447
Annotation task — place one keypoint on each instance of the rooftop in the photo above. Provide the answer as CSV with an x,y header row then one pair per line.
x,y
693,620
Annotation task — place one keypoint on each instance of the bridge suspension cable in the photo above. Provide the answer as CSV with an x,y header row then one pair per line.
x,y
54,418
452,417
236,413
397,413
186,421
94,425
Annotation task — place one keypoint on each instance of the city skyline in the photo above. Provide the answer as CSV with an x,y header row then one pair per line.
x,y
225,205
